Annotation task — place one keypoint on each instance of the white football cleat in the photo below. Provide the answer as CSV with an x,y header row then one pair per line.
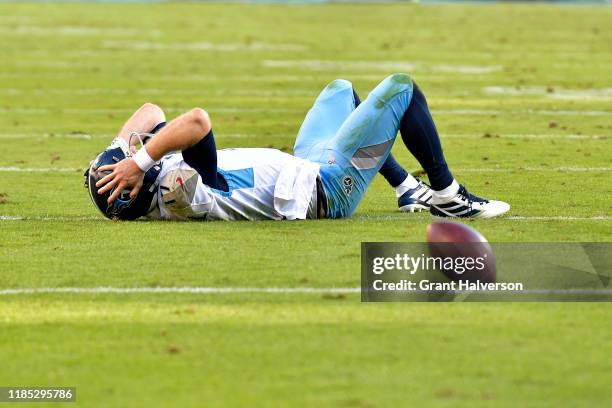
x,y
466,205
416,199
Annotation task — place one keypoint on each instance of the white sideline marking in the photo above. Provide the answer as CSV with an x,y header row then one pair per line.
x,y
188,289
459,112
47,218
549,92
207,78
515,111
520,136
12,169
560,218
181,110
87,136
536,169
83,136
203,45
158,91
24,110
426,216
321,65
74,31
105,111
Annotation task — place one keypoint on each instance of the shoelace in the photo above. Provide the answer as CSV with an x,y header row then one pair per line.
x,y
422,184
471,198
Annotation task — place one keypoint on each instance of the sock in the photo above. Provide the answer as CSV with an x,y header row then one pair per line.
x,y
356,98
408,184
393,172
449,191
421,138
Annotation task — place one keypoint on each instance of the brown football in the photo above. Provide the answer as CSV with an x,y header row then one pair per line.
x,y
471,254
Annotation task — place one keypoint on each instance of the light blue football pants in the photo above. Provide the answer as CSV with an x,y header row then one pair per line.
x,y
351,144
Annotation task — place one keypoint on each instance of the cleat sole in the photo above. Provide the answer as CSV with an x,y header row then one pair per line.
x,y
413,208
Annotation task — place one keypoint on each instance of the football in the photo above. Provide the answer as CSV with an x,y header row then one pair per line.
x,y
467,253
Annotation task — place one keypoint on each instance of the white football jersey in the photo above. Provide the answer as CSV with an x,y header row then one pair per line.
x,y
264,184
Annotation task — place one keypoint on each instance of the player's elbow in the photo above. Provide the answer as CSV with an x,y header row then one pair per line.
x,y
149,106
199,118
154,111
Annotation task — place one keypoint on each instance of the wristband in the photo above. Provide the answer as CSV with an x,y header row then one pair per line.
x,y
143,160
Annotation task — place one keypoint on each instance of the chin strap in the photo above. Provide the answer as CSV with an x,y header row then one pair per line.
x,y
143,138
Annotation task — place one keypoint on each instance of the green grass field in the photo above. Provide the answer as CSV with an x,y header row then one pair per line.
x,y
522,95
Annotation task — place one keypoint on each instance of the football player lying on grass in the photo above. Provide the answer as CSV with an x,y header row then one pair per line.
x,y
342,144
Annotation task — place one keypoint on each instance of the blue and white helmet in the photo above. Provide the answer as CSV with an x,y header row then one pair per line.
x,y
124,207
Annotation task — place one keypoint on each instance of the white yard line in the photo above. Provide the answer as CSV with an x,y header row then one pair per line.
x,y
159,91
178,290
518,136
205,79
559,218
24,110
202,45
104,111
426,216
83,136
12,169
478,112
534,169
78,31
549,92
457,112
48,218
87,136
325,65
